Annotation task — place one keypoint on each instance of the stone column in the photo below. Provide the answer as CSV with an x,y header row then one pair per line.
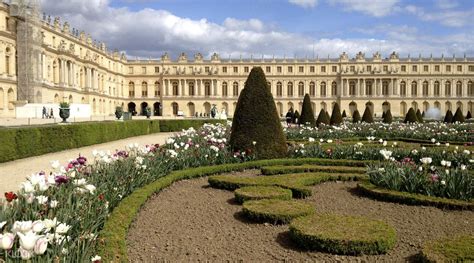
x,y
430,89
363,87
396,87
464,88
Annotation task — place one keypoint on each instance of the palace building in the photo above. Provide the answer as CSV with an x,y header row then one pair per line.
x,y
44,62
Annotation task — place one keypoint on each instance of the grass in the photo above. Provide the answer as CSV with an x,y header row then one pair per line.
x,y
378,193
276,211
454,249
346,235
261,192
280,169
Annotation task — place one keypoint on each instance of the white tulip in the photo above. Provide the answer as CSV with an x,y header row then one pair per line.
x,y
41,246
80,182
6,241
96,258
38,226
28,240
48,224
62,228
53,204
27,187
22,226
25,254
90,188
55,165
2,224
463,167
42,199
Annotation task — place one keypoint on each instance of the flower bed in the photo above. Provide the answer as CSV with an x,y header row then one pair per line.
x,y
272,170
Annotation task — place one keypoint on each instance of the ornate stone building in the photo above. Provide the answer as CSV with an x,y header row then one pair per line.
x,y
71,67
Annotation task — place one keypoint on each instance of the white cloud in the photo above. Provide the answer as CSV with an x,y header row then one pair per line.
x,y
149,32
448,17
304,3
446,4
377,8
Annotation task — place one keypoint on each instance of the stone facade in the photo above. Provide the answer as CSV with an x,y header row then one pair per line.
x,y
74,68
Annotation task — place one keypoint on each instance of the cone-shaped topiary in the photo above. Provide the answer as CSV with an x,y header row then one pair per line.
x,y
423,114
418,116
296,117
356,116
458,117
388,117
344,115
322,118
336,117
468,115
367,117
383,115
307,115
411,116
256,125
448,118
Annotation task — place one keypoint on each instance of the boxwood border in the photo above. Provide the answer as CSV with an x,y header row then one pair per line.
x,y
263,210
459,248
382,194
248,193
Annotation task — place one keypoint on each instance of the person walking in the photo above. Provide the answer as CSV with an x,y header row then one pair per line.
x,y
52,114
44,113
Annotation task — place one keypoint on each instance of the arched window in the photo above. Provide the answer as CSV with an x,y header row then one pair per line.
x,y
144,89
301,89
235,88
175,107
369,91
425,88
447,89
175,89
448,106
437,90
459,88
131,89
191,89
352,88
414,89
403,89
334,89
470,88
7,61
2,98
323,89
385,89
403,108
312,89
279,89
290,89
157,89
224,89
207,89
11,99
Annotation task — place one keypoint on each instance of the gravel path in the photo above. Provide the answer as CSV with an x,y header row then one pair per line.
x,y
15,172
191,222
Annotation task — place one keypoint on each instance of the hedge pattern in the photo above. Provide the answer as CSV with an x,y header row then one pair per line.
x,y
261,192
454,249
281,169
276,211
25,142
346,235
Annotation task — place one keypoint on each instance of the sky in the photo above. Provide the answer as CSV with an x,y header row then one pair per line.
x,y
274,28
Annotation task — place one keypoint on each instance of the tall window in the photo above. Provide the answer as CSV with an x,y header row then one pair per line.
x,y
414,89
323,89
403,89
131,89
157,89
279,89
191,90
235,88
352,88
385,89
144,89
175,88
425,88
7,61
207,89
470,88
224,89
312,89
334,89
175,108
447,89
369,91
459,88
290,89
301,89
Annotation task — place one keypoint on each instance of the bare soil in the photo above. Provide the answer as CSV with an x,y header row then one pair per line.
x,y
191,222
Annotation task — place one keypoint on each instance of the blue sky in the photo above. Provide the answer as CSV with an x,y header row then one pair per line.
x,y
148,28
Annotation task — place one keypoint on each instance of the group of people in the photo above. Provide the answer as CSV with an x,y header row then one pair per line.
x,y
47,114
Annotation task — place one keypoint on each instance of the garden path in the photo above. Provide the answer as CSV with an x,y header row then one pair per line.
x,y
14,172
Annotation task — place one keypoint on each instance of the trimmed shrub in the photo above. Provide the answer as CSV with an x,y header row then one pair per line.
x,y
356,116
423,114
383,115
256,120
344,115
346,235
276,211
388,117
296,117
367,117
448,118
419,117
410,117
261,192
458,117
279,169
468,115
322,118
307,115
451,249
336,117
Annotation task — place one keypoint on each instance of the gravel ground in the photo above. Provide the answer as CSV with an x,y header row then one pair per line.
x,y
15,172
191,222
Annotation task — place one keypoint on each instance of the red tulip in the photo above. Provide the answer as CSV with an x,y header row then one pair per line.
x,y
10,196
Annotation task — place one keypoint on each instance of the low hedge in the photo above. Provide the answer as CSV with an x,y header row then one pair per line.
x,y
113,247
371,190
346,235
272,170
276,211
25,142
453,249
261,192
297,183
